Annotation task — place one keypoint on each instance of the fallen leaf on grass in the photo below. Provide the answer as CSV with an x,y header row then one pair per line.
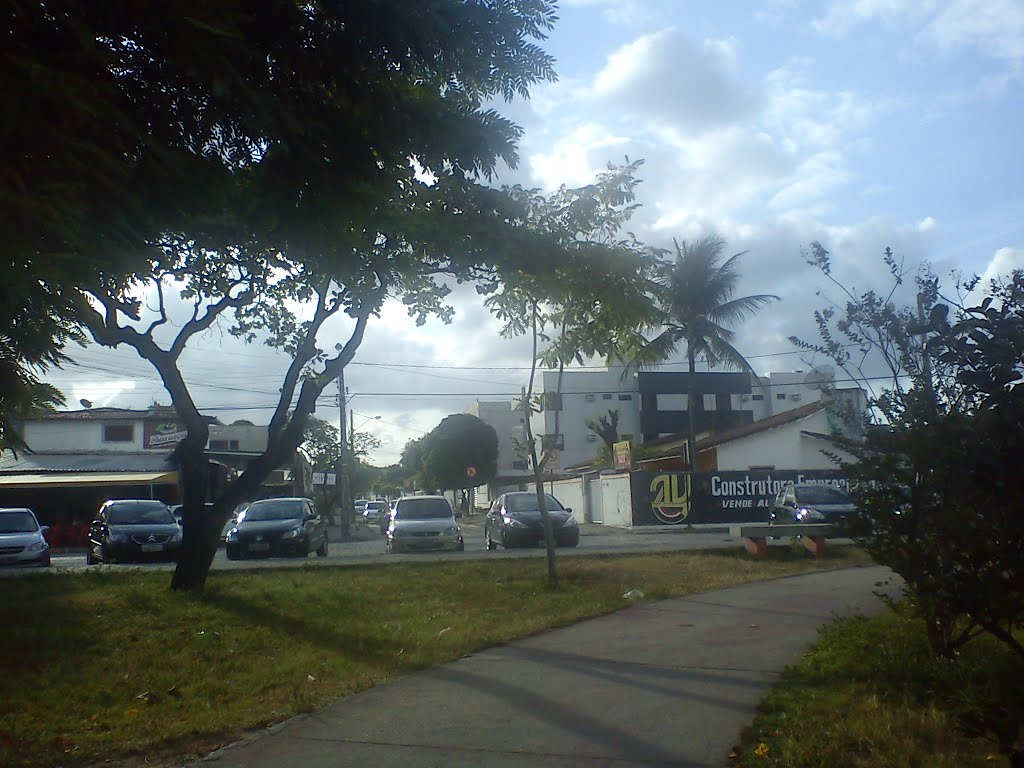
x,y
446,629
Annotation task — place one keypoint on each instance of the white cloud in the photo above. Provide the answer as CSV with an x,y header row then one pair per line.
x,y
663,76
927,224
1003,262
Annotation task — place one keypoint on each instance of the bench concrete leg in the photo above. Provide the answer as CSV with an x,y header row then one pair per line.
x,y
757,546
815,545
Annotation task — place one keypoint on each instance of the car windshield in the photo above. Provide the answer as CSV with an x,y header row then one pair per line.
x,y
139,513
17,521
527,502
381,505
422,509
822,494
274,510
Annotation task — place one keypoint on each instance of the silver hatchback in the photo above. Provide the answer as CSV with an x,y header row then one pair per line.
x,y
22,540
423,523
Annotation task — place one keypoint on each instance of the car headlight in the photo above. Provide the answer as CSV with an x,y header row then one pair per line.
x,y
294,533
804,513
176,535
570,521
513,523
232,535
39,546
451,530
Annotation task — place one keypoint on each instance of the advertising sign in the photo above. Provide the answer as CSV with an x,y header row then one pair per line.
x,y
162,434
671,498
621,454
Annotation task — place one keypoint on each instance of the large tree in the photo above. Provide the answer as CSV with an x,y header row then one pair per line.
x,y
937,474
460,452
258,160
696,296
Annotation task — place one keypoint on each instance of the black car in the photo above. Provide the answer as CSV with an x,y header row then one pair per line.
x,y
813,503
514,521
287,527
133,530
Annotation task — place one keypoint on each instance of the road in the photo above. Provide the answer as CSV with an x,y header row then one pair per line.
x,y
369,548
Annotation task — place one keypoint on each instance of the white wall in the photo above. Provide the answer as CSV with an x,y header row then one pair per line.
x,y
587,395
251,439
782,448
617,500
507,423
57,436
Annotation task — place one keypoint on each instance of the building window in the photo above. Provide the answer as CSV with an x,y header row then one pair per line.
x,y
606,397
757,397
223,445
625,397
552,401
118,433
780,396
553,441
520,465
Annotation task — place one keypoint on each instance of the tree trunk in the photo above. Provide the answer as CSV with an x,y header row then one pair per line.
x,y
199,540
691,405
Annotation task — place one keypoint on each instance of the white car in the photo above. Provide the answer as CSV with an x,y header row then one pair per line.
x,y
22,540
422,523
373,511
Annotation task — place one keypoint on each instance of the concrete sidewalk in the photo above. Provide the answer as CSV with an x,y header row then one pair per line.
x,y
661,684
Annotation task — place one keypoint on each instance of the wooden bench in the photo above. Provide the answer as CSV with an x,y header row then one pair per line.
x,y
755,536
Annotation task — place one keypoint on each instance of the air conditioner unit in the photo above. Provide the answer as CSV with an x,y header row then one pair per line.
x,y
795,396
744,398
591,438
591,397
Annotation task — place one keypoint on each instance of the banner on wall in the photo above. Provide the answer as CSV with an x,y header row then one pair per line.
x,y
163,434
673,498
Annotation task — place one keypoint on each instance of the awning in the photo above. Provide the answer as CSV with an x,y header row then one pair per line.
x,y
82,479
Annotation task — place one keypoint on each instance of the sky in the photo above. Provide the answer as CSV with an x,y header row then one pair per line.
x,y
861,124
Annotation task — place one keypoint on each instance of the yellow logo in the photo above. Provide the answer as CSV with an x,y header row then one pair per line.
x,y
671,497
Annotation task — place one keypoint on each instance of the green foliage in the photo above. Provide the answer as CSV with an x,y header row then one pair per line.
x,y
938,476
252,163
870,693
695,293
606,428
461,442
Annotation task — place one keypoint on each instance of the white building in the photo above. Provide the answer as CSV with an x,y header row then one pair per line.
x,y
653,404
586,395
508,423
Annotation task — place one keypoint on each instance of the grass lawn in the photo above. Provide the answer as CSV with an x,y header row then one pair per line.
x,y
870,694
109,664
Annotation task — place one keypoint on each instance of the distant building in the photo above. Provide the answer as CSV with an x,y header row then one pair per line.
x,y
76,460
653,404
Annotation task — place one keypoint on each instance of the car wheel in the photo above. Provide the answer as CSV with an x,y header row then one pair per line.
x,y
322,552
90,557
106,557
504,541
232,553
461,547
388,548
490,543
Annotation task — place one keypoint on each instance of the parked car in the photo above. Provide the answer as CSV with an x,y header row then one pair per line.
x,y
22,539
514,520
813,503
374,510
133,530
285,527
419,523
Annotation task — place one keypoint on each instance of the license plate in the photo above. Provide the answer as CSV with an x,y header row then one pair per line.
x,y
259,546
152,547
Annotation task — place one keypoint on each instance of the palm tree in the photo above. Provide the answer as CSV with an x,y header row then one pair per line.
x,y
695,295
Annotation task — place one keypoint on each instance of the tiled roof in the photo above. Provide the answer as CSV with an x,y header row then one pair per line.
x,y
115,414
36,463
674,442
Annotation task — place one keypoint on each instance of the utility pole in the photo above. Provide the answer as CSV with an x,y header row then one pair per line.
x,y
343,470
